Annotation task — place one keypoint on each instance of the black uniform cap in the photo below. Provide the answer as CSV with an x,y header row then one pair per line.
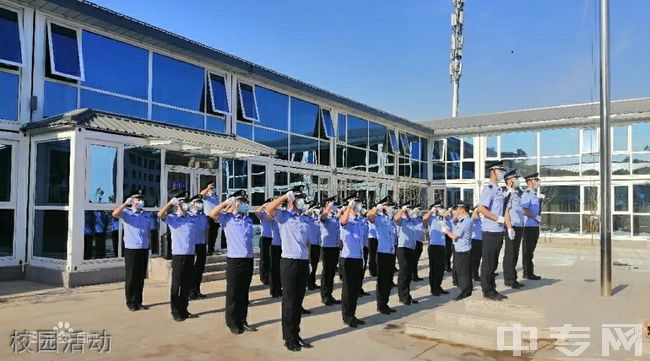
x,y
299,192
495,165
512,174
407,204
240,194
138,194
437,204
182,195
463,204
532,176
197,198
386,199
351,197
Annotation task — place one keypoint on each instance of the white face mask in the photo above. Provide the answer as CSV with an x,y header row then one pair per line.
x,y
334,208
358,208
411,213
300,204
243,208
139,205
185,207
500,175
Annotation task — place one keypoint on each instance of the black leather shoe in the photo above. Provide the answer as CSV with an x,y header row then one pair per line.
x,y
534,277
327,302
415,302
193,297
305,312
277,295
392,310
418,279
364,293
179,318
359,322
352,323
304,343
477,279
191,315
385,311
500,296
201,295
335,301
443,292
461,297
236,330
143,307
133,308
406,302
293,346
492,296
248,327
435,293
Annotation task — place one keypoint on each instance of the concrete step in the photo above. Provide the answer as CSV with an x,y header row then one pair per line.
x,y
476,322
218,266
217,271
519,312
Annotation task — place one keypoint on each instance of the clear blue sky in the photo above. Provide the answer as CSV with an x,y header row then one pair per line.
x,y
394,55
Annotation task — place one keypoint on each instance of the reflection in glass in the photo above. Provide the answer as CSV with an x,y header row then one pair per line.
x,y
5,173
590,224
424,145
641,137
177,117
590,140
276,140
453,170
324,153
304,118
518,145
438,170
10,51
620,138
328,123
102,172
342,128
591,199
453,196
234,176
356,159
247,102
245,130
303,150
394,144
641,163
273,108
590,164
341,156
453,149
101,232
621,225
415,147
258,184
377,137
177,83
64,50
142,171
621,198
8,96
491,146
218,94
620,164
438,149
390,164
525,166
50,234
641,198
641,226
559,142
468,148
561,199
310,182
357,131
57,98
7,232
468,196
468,170
281,183
53,172
559,167
216,125
113,104
406,145
561,223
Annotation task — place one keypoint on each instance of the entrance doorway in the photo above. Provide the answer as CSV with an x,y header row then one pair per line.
x,y
192,180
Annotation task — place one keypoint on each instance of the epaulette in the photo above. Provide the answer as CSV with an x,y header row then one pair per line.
x,y
490,186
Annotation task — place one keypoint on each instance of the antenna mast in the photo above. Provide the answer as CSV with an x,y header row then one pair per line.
x,y
456,53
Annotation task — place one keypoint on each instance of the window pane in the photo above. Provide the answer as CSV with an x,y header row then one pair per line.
x,y
394,145
621,225
58,99
438,170
415,148
620,164
65,51
641,198
101,235
342,128
303,150
621,198
234,176
404,167
620,138
519,145
377,137
357,131
525,166
258,184
52,172
589,141
5,173
390,165
468,148
8,96
590,164
115,66
276,140
356,159
7,232
453,170
324,153
641,163
113,104
561,223
561,199
177,83
281,184
142,171
453,149
245,130
341,155
468,196
373,162
218,95
406,145
641,137
491,146
559,167
453,195
177,117
216,125
247,102
51,234
438,149
304,118
424,145
591,199
102,168
424,171
641,226
468,170
10,37
328,124
273,107
558,142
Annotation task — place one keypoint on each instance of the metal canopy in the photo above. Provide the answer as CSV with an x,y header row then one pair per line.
x,y
156,134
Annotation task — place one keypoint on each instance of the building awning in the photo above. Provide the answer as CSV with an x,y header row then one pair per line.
x,y
157,135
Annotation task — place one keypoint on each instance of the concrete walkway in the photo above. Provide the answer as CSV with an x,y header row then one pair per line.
x,y
569,294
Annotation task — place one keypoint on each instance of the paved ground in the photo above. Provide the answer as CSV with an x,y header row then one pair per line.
x,y
570,292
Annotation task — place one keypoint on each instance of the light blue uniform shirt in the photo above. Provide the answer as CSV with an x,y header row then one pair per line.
x,y
406,233
136,228
418,229
372,231
209,202
384,226
365,230
294,234
530,201
476,229
352,237
463,230
329,232
200,228
492,198
181,231
275,232
313,229
267,226
239,233
515,210
436,237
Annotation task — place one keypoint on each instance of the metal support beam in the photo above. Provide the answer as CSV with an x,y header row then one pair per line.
x,y
605,157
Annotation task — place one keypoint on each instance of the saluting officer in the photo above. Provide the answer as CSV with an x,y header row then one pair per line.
x,y
294,265
462,238
210,200
383,222
329,233
405,252
437,248
514,225
477,243
531,203
265,243
137,226
449,244
372,248
365,228
351,262
311,219
419,239
492,207
199,236
275,282
181,228
232,215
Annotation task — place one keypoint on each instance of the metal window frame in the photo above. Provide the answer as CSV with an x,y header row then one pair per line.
x,y
394,141
21,38
241,101
225,87
322,116
80,57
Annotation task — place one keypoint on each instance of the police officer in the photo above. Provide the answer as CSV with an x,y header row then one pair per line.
x,y
462,238
180,225
437,248
372,249
265,243
405,252
351,261
210,200
419,238
477,243
383,222
514,225
329,233
492,207
137,224
232,215
199,236
275,283
311,220
531,203
294,265
365,228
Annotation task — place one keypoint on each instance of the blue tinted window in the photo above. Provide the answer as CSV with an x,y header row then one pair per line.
x,y
558,142
424,146
377,136
304,118
273,107
438,170
405,143
109,103
641,137
10,50
303,150
453,170
328,124
217,125
64,50
218,94
324,153
245,130
8,96
114,66
468,148
276,140
453,149
620,138
519,145
248,102
357,131
177,83
491,146
342,128
415,149
58,99
177,117
394,144
438,149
